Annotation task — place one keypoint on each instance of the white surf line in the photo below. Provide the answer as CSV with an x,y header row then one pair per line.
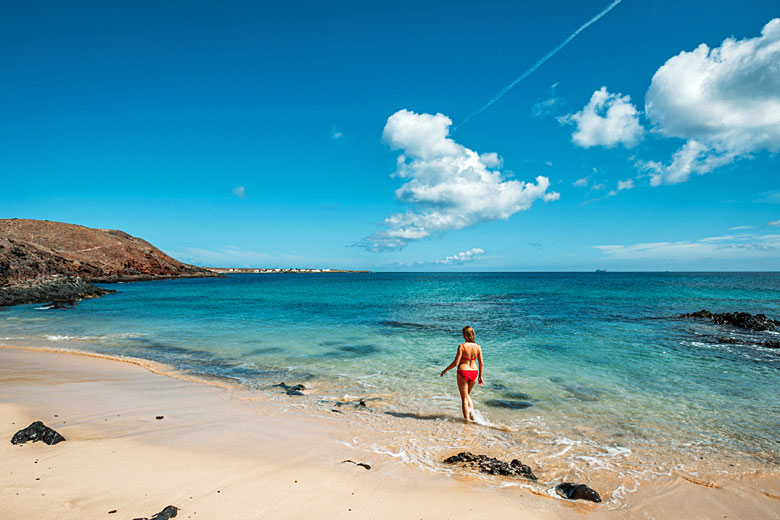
x,y
539,63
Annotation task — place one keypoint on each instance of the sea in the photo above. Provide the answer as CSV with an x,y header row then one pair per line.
x,y
589,377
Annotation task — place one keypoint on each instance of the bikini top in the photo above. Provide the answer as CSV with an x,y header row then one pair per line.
x,y
468,358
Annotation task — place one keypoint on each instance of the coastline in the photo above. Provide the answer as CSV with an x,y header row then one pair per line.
x,y
224,449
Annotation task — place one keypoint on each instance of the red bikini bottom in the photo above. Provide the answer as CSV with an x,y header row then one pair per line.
x,y
468,375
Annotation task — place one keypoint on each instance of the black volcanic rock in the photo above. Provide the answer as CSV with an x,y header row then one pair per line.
x,y
166,514
60,291
493,466
292,390
743,320
37,431
571,491
43,261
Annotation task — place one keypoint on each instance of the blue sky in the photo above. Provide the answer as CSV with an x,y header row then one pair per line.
x,y
269,134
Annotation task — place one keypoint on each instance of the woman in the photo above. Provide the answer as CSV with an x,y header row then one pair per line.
x,y
468,375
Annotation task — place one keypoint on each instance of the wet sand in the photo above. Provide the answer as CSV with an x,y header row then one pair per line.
x,y
222,451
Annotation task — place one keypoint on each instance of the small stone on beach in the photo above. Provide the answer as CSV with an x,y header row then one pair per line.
x,y
37,431
362,464
160,417
166,514
571,491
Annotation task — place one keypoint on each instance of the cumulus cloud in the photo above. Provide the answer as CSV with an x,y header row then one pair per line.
x,y
462,257
581,183
734,246
607,120
725,102
448,186
239,192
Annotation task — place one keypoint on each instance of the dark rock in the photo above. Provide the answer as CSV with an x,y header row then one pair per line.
x,y
571,491
360,403
508,403
743,320
728,341
37,431
159,417
166,514
516,395
492,465
292,390
361,464
62,292
771,343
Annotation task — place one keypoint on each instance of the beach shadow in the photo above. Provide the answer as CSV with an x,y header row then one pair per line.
x,y
410,415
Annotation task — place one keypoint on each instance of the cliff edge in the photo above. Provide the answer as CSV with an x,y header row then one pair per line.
x,y
42,261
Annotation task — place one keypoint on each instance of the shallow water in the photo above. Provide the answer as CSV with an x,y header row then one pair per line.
x,y
588,375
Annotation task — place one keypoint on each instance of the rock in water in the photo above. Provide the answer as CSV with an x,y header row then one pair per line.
x,y
743,320
166,514
292,390
493,466
37,431
571,491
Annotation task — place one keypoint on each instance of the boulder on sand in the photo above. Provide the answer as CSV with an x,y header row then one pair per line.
x,y
571,491
493,466
37,431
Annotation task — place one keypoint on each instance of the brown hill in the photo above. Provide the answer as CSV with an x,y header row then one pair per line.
x,y
33,251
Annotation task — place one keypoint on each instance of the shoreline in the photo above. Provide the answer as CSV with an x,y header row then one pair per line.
x,y
255,445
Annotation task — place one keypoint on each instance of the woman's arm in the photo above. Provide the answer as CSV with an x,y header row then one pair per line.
x,y
454,363
481,365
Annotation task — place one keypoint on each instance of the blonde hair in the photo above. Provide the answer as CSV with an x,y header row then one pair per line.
x,y
468,334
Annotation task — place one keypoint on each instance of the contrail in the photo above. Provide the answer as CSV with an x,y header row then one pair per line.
x,y
541,61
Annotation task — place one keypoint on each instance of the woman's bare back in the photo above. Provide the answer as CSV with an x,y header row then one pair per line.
x,y
469,354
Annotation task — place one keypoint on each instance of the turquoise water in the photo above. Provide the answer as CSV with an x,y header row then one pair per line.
x,y
605,383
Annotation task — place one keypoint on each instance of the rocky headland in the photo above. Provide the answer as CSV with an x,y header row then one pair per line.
x,y
43,261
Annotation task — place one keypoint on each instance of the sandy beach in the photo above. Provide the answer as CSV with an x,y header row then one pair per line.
x,y
224,451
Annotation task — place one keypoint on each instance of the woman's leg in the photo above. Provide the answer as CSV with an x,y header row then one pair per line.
x,y
465,400
471,403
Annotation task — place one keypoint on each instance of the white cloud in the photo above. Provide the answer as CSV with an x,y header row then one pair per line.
x,y
740,228
725,102
335,133
775,223
581,183
737,246
544,107
448,185
607,120
462,257
239,192
627,184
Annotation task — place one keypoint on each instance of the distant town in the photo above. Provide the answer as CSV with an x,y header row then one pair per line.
x,y
267,270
